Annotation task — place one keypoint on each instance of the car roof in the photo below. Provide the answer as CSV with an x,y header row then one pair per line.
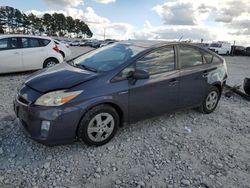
x,y
154,43
21,35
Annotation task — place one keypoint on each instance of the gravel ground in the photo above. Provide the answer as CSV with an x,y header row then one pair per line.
x,y
182,149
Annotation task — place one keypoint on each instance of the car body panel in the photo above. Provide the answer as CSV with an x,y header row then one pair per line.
x,y
63,76
11,61
163,95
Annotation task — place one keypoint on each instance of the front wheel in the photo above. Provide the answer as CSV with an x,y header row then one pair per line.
x,y
210,102
99,125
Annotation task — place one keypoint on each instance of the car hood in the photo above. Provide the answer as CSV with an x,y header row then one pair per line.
x,y
62,76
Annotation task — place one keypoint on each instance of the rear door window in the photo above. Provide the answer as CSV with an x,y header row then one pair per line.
x,y
34,42
189,57
30,42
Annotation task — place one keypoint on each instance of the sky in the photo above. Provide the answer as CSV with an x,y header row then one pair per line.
x,y
211,20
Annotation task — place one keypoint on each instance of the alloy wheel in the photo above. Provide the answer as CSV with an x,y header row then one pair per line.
x,y
101,127
51,64
211,100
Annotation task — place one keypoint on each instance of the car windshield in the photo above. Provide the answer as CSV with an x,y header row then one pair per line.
x,y
107,58
215,45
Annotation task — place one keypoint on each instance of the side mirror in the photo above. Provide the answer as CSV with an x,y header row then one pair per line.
x,y
140,74
137,74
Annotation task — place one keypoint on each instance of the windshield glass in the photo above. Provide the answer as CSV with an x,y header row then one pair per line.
x,y
108,57
215,45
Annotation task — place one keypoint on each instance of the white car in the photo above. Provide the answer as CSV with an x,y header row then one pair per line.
x,y
64,49
24,52
222,48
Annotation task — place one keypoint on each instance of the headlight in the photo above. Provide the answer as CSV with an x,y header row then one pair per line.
x,y
56,98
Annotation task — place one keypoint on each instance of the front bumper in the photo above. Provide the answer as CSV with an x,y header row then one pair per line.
x,y
63,122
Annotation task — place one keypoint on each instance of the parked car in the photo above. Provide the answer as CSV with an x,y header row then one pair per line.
x,y
24,52
88,43
63,49
107,43
222,48
238,50
75,43
82,42
91,96
247,51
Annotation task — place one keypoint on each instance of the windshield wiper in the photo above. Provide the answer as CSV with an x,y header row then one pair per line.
x,y
85,67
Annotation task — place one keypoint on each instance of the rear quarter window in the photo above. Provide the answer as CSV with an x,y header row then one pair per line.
x,y
208,58
44,42
216,60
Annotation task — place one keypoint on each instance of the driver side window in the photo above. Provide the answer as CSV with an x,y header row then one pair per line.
x,y
161,60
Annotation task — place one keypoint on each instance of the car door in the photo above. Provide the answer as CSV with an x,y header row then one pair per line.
x,y
159,93
193,81
33,52
10,55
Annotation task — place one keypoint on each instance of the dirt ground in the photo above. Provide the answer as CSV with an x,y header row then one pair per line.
x,y
181,149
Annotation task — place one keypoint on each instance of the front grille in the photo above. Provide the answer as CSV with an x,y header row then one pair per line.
x,y
22,100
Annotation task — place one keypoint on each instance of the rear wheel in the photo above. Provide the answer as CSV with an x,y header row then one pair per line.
x,y
50,62
210,102
99,125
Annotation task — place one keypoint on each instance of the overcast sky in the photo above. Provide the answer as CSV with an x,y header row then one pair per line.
x,y
225,20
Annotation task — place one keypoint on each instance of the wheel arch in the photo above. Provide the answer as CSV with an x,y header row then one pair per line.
x,y
113,105
63,54
218,86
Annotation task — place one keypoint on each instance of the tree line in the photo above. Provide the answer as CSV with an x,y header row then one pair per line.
x,y
14,21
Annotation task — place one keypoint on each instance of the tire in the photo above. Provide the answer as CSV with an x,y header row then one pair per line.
x,y
50,62
211,101
227,53
93,129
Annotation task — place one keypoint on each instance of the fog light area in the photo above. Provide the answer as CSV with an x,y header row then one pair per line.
x,y
45,126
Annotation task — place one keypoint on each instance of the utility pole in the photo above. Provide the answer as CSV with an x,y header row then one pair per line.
x,y
104,29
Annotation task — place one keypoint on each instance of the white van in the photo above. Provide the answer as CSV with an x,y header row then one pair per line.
x,y
23,52
222,48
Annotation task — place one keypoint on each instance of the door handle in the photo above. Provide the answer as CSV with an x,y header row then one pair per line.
x,y
206,72
173,82
15,52
204,75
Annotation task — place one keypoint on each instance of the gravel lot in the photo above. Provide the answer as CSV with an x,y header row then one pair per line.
x,y
182,149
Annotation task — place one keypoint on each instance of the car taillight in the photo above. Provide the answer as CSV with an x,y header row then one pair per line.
x,y
67,46
56,48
